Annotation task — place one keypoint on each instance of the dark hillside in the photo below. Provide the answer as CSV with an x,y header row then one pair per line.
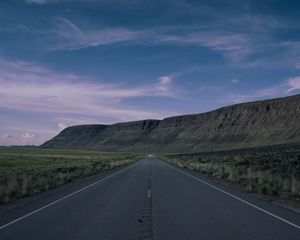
x,y
260,123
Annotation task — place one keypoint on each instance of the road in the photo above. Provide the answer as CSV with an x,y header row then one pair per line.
x,y
149,200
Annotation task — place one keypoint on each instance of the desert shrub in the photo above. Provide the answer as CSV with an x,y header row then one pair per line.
x,y
28,171
269,170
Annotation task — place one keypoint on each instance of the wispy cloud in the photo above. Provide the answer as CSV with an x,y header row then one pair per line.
x,y
26,138
293,84
164,84
297,61
5,135
287,87
230,41
231,45
235,81
8,139
28,135
67,35
273,54
258,23
62,125
31,87
35,130
71,100
247,40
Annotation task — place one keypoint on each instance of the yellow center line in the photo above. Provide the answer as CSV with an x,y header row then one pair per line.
x,y
149,193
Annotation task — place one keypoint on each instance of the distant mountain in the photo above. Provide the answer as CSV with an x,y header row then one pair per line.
x,y
260,123
20,146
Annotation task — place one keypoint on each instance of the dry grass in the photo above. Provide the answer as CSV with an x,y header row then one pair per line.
x,y
26,171
272,171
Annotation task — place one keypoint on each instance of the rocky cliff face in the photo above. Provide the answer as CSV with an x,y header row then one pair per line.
x,y
259,123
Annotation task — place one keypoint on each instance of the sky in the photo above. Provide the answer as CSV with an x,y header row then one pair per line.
x,y
70,62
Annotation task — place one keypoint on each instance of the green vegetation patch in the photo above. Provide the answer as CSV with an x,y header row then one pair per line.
x,y
25,171
273,170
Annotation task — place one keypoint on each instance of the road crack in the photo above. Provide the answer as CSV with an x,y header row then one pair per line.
x,y
146,220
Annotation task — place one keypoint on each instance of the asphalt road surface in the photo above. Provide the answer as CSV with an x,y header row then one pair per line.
x,y
148,200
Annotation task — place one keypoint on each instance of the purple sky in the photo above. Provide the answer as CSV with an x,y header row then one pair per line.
x,y
69,62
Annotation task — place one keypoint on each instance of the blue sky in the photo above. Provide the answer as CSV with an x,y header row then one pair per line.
x,y
69,62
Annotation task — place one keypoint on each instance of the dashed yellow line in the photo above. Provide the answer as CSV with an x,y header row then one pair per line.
x,y
149,193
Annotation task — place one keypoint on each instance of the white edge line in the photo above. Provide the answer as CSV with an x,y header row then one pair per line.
x,y
239,199
63,198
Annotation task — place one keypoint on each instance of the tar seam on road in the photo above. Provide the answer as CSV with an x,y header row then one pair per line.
x,y
146,221
63,198
239,199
